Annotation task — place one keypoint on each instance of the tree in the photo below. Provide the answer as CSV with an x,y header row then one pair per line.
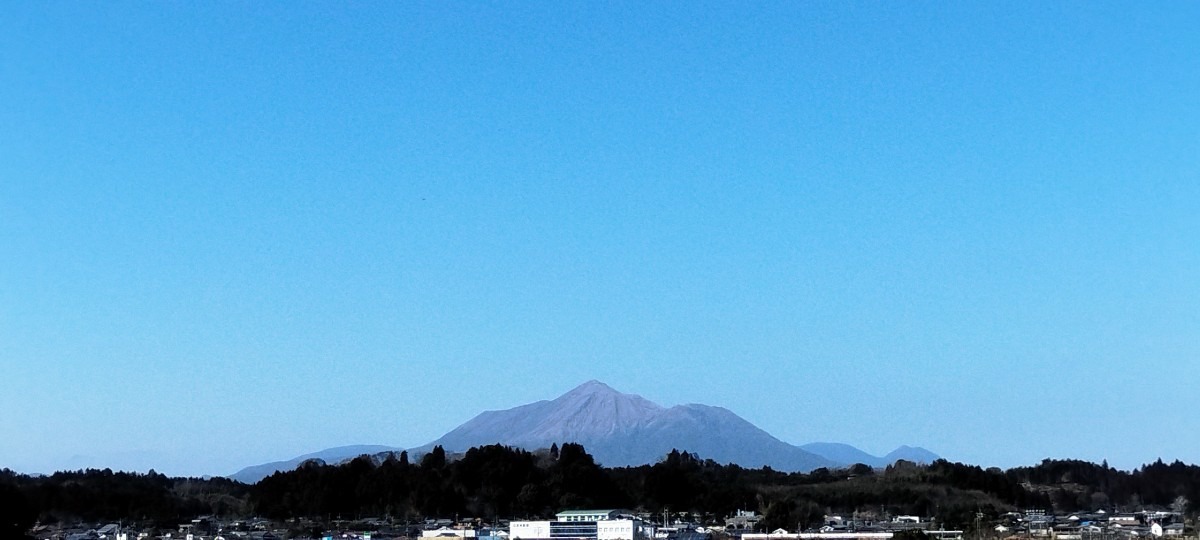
x,y
808,514
435,459
861,469
780,514
16,515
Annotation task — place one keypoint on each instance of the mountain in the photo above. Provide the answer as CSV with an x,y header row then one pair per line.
x,y
255,473
627,430
623,430
841,453
914,454
849,455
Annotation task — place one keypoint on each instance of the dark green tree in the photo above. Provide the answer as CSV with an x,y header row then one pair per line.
x,y
435,459
16,514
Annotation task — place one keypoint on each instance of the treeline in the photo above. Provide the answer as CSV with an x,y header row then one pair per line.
x,y
497,482
488,481
1078,485
951,491
94,496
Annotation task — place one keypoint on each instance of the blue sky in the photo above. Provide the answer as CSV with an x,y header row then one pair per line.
x,y
238,232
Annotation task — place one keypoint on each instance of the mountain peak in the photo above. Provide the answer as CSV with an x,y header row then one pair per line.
x,y
592,387
593,394
915,454
596,403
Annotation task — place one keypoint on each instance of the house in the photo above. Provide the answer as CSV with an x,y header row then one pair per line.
x,y
447,532
492,534
743,520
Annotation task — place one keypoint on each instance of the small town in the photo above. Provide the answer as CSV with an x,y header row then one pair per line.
x,y
616,524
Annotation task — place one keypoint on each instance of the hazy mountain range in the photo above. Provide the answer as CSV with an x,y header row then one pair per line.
x,y
254,473
623,430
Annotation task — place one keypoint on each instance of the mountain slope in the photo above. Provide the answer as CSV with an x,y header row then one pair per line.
x,y
255,473
719,434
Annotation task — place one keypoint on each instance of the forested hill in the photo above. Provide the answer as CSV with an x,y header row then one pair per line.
x,y
500,482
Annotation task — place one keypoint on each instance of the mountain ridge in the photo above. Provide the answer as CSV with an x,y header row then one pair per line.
x,y
254,473
849,455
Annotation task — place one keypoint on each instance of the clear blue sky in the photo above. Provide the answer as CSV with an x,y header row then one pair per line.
x,y
237,232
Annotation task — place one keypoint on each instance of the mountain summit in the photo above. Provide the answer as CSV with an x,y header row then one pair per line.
x,y
591,412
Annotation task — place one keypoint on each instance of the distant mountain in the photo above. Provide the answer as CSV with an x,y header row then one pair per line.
x,y
841,453
626,430
914,454
849,455
255,473
623,430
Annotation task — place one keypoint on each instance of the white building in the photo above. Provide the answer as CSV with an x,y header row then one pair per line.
x,y
590,515
447,532
528,530
583,525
